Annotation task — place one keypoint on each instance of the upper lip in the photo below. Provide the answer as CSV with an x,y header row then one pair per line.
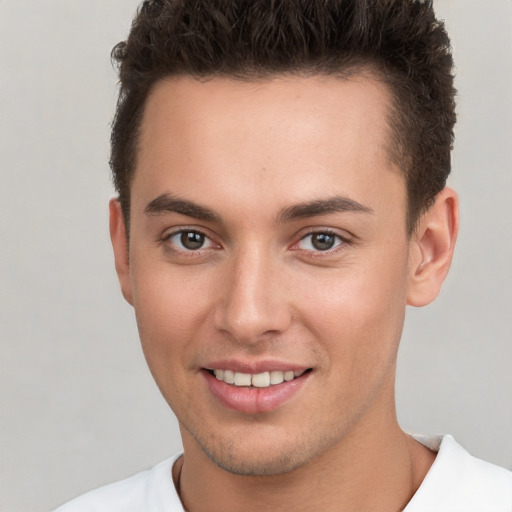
x,y
254,367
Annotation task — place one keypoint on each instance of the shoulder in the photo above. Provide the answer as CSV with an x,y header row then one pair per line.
x,y
459,482
148,491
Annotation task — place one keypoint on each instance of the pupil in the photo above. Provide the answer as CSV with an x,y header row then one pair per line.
x,y
323,241
192,240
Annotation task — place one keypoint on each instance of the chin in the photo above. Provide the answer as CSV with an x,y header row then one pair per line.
x,y
256,465
260,454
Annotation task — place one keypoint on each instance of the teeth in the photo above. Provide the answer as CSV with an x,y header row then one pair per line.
x,y
258,380
242,379
229,377
261,380
289,376
276,377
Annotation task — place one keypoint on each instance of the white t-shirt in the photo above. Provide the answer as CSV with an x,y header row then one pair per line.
x,y
456,482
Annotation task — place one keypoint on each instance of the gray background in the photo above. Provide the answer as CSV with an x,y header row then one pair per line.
x,y
78,406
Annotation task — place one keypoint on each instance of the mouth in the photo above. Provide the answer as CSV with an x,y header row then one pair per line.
x,y
257,380
255,393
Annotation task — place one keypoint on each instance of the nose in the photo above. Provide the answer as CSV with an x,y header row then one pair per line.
x,y
252,303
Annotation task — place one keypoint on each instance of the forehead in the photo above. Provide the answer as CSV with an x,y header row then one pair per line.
x,y
301,135
289,105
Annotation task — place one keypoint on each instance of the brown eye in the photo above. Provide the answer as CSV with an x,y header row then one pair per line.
x,y
323,241
320,241
192,240
189,242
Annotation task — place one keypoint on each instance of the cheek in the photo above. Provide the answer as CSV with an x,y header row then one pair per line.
x,y
170,318
358,312
170,313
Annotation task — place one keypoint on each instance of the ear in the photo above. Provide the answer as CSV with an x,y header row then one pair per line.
x,y
432,246
120,246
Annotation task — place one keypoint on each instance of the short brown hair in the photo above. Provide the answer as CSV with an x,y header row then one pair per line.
x,y
247,39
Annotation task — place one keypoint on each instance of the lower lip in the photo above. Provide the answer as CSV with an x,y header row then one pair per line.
x,y
252,400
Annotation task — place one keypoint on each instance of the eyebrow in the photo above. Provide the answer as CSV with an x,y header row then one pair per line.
x,y
166,203
334,204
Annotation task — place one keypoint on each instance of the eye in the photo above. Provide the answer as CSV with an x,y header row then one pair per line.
x,y
190,240
320,241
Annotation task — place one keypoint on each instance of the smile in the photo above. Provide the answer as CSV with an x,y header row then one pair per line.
x,y
257,380
258,392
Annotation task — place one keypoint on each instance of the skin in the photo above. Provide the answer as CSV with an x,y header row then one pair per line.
x,y
258,289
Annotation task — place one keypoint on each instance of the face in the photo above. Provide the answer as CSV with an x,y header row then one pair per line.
x,y
269,264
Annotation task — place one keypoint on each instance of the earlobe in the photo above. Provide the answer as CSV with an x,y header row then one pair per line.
x,y
432,248
120,246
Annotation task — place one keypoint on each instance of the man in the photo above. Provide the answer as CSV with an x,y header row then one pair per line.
x,y
281,172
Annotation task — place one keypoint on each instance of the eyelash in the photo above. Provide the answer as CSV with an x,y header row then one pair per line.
x,y
340,243
170,246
